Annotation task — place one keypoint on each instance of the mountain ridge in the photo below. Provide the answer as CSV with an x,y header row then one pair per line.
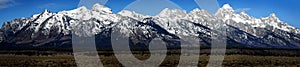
x,y
54,29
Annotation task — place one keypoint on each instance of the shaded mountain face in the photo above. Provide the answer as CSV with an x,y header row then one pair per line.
x,y
54,30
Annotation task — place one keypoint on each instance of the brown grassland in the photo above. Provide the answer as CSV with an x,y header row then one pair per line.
x,y
110,60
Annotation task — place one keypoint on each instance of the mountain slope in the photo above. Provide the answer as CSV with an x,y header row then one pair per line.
x,y
55,29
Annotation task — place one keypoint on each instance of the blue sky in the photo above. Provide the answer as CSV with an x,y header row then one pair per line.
x,y
286,10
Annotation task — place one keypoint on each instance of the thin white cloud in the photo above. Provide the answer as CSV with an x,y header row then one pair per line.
x,y
242,9
7,3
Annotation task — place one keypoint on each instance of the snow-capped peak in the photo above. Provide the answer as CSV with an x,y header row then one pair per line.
x,y
100,8
132,14
5,24
41,18
225,11
172,13
273,17
80,9
46,11
244,14
197,11
79,13
227,6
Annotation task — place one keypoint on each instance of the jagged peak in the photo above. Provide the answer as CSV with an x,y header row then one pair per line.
x,y
196,10
46,11
246,16
225,10
82,8
6,23
273,16
243,13
100,8
227,6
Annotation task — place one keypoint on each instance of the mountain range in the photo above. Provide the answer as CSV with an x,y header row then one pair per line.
x,y
54,30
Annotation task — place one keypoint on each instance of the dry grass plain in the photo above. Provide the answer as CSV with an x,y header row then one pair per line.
x,y
110,60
